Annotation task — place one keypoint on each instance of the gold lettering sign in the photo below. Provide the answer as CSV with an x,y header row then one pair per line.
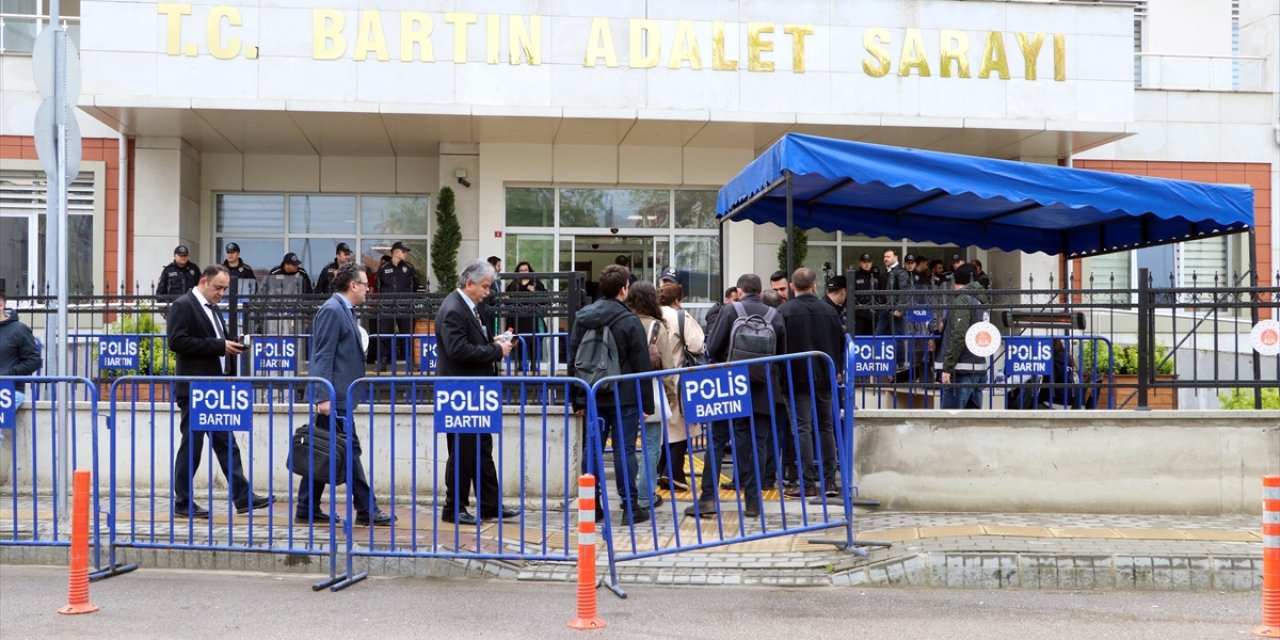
x,y
361,36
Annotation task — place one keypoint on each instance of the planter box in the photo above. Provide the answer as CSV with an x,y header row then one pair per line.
x,y
1126,390
141,392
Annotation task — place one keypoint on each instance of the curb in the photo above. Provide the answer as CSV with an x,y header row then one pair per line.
x,y
933,570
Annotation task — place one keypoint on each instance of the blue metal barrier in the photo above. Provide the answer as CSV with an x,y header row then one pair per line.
x,y
723,509
32,507
529,467
913,383
143,444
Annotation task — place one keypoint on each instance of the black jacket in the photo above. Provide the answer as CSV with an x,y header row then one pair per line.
x,y
324,284
244,271
401,278
718,347
812,325
897,279
195,341
464,348
175,280
633,351
19,355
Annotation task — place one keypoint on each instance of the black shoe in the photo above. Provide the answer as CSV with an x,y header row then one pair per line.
x,y
751,510
639,514
503,513
302,516
464,517
376,518
728,485
192,510
656,502
704,508
256,502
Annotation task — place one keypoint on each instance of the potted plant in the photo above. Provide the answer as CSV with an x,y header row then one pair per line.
x,y
154,359
1123,362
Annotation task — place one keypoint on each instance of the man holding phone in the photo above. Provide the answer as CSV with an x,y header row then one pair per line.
x,y
199,338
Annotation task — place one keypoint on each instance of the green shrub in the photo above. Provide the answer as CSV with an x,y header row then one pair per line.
x,y
1126,358
1242,399
154,358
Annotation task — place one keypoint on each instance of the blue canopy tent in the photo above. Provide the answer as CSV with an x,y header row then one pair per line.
x,y
929,196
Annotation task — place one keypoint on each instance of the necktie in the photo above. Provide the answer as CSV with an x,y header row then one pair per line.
x,y
220,332
217,321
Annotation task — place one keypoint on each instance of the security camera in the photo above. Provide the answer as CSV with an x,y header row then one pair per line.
x,y
464,182
613,230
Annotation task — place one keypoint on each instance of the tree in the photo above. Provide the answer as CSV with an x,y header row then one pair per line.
x,y
444,246
801,251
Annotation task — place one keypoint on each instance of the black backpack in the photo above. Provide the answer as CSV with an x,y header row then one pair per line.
x,y
752,335
597,354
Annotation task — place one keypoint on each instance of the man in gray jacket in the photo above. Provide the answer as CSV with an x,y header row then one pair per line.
x,y
337,355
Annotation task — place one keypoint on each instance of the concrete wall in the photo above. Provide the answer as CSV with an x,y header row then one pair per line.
x,y
138,435
1185,462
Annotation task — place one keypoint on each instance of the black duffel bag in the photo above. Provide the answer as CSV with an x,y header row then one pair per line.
x,y
312,444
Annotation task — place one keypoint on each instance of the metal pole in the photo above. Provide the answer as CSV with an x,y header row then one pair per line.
x,y
56,260
1254,301
791,245
1145,325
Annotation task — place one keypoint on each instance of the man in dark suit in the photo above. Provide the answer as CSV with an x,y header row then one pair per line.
x,y
466,347
337,355
747,438
198,337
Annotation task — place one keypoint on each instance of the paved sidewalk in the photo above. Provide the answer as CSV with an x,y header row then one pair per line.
x,y
936,550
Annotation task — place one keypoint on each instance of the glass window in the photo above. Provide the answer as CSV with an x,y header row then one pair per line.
x,y
537,249
530,207
15,257
615,208
696,210
821,258
699,257
261,254
250,213
322,214
372,251
393,215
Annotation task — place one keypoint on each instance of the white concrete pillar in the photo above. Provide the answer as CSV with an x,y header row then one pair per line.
x,y
166,209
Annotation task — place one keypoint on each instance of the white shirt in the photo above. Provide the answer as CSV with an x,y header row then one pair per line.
x,y
217,326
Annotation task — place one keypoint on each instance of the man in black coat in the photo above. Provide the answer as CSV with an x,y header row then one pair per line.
x,y
812,325
19,354
342,254
396,276
466,347
198,337
750,436
620,409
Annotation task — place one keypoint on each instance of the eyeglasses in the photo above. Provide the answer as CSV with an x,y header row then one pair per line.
x,y
364,284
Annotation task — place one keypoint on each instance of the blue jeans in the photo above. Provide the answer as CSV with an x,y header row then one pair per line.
x,y
647,459
887,325
957,397
625,466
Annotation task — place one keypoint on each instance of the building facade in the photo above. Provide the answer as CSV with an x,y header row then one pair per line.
x,y
572,132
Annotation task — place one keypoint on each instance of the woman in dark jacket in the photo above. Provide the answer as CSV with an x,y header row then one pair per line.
x,y
525,322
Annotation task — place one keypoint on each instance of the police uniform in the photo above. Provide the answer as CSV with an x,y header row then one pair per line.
x,y
324,284
292,258
175,280
396,279
864,281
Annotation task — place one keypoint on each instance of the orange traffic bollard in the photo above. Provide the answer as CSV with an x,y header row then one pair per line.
x,y
1270,558
78,592
586,556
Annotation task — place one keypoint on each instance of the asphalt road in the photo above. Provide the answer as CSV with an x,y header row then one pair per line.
x,y
186,604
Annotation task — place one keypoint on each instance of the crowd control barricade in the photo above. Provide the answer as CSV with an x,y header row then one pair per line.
x,y
527,457
34,495
751,443
144,509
